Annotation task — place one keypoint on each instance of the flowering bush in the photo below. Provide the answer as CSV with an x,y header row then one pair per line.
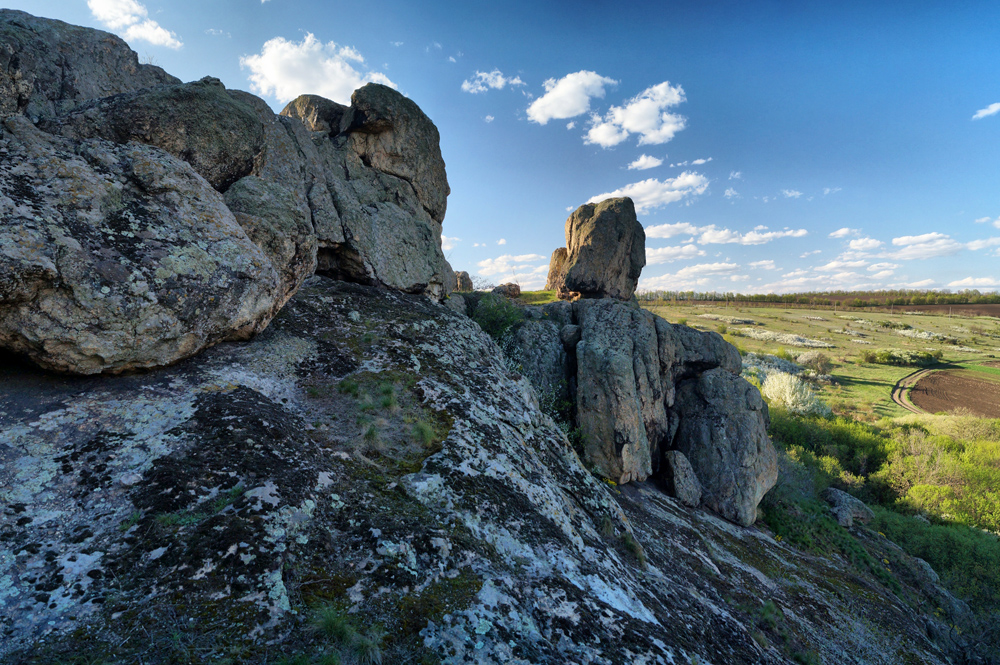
x,y
794,394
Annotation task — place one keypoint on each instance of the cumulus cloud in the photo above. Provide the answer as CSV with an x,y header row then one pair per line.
x,y
699,275
670,254
645,162
448,243
843,233
130,19
791,193
808,254
483,81
767,264
502,241
883,266
925,246
840,266
864,244
645,114
671,230
994,222
731,193
286,69
713,235
489,119
568,97
992,109
653,193
975,282
736,175
983,244
522,269
571,124
699,162
830,190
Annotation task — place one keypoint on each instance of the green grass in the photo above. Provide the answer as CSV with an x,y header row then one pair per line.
x,y
982,369
538,297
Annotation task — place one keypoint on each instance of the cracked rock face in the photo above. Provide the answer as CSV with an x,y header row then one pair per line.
x,y
119,257
605,250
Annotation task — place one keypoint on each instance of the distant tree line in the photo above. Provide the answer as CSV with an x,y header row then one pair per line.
x,y
856,299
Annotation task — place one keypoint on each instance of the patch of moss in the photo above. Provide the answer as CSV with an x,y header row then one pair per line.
x,y
445,596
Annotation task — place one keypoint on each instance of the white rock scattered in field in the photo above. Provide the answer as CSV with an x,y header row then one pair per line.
x,y
734,320
852,333
783,338
921,334
859,341
814,318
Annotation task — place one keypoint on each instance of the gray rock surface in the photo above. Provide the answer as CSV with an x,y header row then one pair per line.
x,y
199,122
606,249
117,257
722,430
543,359
391,134
318,114
463,282
557,270
508,290
47,67
681,480
846,508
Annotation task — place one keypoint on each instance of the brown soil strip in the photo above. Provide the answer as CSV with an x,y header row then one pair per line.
x,y
901,391
951,391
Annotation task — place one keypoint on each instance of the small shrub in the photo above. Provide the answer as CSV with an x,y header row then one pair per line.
x,y
496,315
816,361
423,433
722,329
794,394
633,546
900,358
349,387
682,322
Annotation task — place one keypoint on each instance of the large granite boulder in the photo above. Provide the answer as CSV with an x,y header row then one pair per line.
x,y
198,122
557,270
680,478
47,67
606,249
463,282
318,114
846,508
117,257
722,430
391,134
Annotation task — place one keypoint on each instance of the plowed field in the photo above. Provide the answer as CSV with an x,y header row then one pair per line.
x,y
957,390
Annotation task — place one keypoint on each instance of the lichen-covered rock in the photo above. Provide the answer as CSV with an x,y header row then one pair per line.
x,y
47,67
606,249
722,431
277,222
209,507
391,134
318,114
543,359
557,271
508,290
463,282
846,508
198,122
117,257
680,479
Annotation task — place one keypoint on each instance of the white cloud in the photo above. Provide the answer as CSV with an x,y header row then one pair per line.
x,y
521,269
731,193
736,175
975,282
451,58
791,193
571,124
924,283
489,119
839,266
483,81
864,244
708,269
883,266
925,246
653,193
645,114
983,244
808,254
568,97
699,162
992,109
671,230
217,33
286,69
396,44
830,190
669,254
767,264
994,222
131,20
448,243
502,241
882,274
645,162
843,233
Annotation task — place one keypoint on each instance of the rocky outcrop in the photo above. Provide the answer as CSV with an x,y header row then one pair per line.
x,y
139,263
847,509
680,479
198,122
557,271
508,290
722,430
641,388
463,282
606,250
210,507
118,257
48,67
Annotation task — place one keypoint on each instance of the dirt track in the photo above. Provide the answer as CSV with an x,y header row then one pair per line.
x,y
900,391
948,391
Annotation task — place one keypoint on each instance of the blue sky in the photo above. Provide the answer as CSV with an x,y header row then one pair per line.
x,y
774,146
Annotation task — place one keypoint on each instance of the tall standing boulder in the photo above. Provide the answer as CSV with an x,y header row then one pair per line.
x,y
463,282
48,67
722,430
557,270
606,249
